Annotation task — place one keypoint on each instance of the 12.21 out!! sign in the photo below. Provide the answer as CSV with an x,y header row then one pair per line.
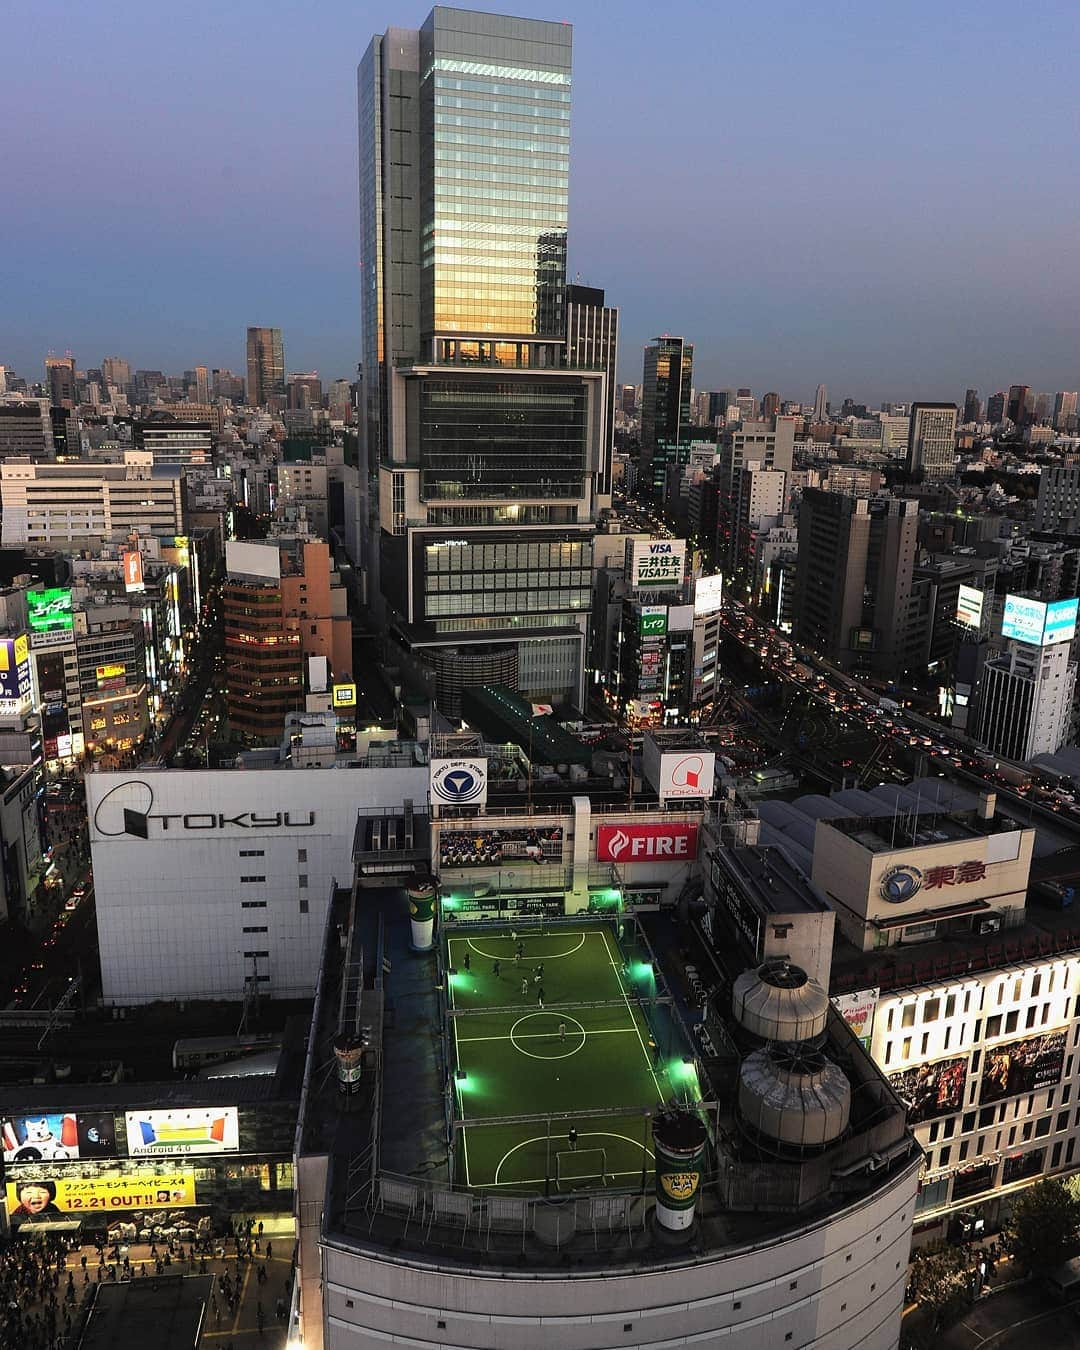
x,y
646,843
657,564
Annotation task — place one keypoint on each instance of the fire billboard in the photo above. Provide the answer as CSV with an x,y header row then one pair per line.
x,y
199,1130
47,1194
1022,1066
133,571
932,1089
676,842
56,1136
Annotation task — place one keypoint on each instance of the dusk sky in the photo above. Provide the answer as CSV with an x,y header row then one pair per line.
x,y
885,198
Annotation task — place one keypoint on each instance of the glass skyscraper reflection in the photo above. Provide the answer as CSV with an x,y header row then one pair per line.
x,y
486,442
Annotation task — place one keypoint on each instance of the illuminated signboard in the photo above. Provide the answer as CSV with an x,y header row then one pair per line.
x,y
55,1136
1023,619
969,607
1040,624
1022,1066
483,848
344,695
49,611
653,620
49,1194
708,594
1060,621
133,572
857,1010
110,672
15,680
197,1130
657,564
676,842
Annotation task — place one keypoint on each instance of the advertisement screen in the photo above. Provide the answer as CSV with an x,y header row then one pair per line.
x,y
646,843
133,573
1060,621
485,848
49,610
213,1129
57,1137
931,1089
657,564
51,1196
857,1010
969,607
653,620
15,681
708,595
344,695
1023,619
1022,1066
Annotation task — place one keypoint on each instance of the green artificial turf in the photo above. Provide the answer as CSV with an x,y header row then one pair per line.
x,y
516,1062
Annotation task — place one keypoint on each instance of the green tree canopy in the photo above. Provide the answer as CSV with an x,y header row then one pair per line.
x,y
1044,1225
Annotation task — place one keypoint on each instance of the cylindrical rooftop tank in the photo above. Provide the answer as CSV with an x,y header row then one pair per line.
x,y
794,1096
780,1002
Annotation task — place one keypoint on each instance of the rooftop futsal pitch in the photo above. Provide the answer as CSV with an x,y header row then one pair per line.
x,y
545,1024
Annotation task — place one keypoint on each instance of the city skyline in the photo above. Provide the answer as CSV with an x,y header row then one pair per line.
x,y
833,277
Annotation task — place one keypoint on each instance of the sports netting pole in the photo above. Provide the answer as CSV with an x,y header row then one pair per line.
x,y
547,1162
644,1150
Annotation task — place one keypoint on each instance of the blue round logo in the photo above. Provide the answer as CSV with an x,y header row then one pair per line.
x,y
900,883
457,785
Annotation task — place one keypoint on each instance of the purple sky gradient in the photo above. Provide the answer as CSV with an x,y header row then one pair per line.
x,y
885,198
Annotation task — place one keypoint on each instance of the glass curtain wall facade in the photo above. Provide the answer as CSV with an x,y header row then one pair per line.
x,y
481,436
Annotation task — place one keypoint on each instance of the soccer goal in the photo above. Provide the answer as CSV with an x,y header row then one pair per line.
x,y
578,1166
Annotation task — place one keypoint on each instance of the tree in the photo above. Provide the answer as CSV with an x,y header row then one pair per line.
x,y
941,1279
1044,1224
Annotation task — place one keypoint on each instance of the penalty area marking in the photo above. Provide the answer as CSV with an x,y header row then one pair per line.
x,y
533,1035
538,956
544,1139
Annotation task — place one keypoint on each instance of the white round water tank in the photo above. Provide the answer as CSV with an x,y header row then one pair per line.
x,y
799,1098
780,1002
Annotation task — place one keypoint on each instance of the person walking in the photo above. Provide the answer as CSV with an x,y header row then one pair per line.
x,y
495,968
524,988
562,1031
467,963
571,1138
540,996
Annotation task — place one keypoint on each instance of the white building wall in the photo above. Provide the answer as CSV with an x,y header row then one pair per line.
x,y
172,909
968,1020
834,1285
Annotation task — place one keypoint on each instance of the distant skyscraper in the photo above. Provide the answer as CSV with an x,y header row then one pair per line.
x,y
116,371
972,406
1065,409
1018,410
932,439
486,442
202,385
821,404
770,407
265,366
1042,408
60,379
996,406
304,390
667,375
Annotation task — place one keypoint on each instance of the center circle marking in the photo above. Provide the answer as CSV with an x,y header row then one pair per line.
x,y
537,956
557,1017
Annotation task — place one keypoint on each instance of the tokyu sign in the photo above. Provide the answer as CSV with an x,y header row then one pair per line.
x,y
657,564
676,842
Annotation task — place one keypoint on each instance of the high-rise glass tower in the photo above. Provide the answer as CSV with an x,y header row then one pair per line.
x,y
484,440
666,379
265,365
